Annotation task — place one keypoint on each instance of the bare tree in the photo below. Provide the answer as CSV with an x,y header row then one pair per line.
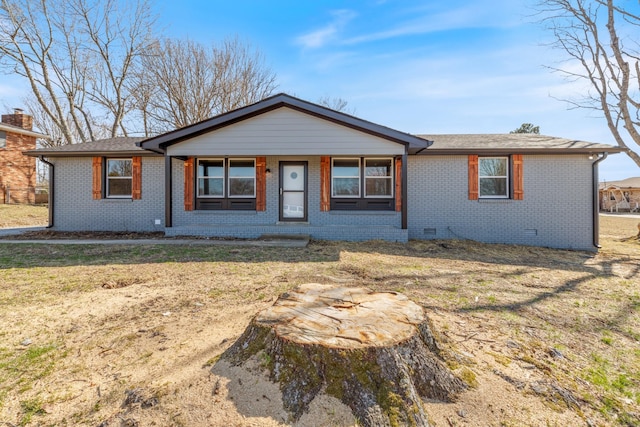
x,y
46,125
182,82
77,56
600,39
337,104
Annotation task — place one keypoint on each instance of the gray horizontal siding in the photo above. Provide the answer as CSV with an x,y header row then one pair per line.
x,y
285,131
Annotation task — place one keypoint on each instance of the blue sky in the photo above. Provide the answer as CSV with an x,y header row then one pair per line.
x,y
416,66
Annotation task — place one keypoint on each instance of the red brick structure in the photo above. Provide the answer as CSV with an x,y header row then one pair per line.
x,y
17,171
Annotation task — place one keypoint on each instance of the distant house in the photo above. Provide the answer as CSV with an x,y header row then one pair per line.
x,y
17,171
620,196
287,166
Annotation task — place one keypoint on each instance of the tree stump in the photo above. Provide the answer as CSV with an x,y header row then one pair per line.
x,y
374,351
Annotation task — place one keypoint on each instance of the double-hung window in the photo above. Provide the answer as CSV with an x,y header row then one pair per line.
x,y
226,184
362,184
496,177
119,178
493,177
345,176
242,178
211,178
378,178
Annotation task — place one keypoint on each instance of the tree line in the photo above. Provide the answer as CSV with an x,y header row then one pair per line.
x,y
97,69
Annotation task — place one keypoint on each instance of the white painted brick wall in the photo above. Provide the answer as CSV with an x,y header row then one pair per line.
x,y
75,209
557,203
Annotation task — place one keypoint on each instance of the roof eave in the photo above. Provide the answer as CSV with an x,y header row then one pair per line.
x,y
512,150
15,129
128,153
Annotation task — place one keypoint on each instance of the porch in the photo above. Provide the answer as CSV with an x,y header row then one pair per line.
x,y
354,233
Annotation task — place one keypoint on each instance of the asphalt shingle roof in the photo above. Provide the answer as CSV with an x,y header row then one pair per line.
x,y
118,145
510,142
442,144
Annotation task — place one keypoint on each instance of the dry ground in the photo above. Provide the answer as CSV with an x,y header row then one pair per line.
x,y
121,335
23,216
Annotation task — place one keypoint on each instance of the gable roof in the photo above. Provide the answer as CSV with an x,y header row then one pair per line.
x,y
159,143
510,143
125,146
17,129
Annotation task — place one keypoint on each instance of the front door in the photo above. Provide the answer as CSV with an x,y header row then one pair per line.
x,y
293,191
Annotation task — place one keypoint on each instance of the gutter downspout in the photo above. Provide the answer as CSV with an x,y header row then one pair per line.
x,y
596,205
168,196
52,182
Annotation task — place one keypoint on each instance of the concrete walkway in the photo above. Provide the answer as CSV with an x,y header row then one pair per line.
x,y
280,241
18,230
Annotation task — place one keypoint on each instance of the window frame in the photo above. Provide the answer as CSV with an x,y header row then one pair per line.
x,y
229,177
226,201
107,178
3,139
506,177
359,176
362,201
198,178
390,177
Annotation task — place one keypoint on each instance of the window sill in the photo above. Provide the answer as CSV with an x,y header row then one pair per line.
x,y
117,199
223,212
363,212
494,200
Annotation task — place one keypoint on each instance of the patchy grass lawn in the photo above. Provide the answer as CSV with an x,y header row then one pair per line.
x,y
23,215
118,335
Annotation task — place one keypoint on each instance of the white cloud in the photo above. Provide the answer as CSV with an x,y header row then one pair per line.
x,y
329,32
429,20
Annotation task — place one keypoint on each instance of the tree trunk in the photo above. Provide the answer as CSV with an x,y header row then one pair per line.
x,y
374,351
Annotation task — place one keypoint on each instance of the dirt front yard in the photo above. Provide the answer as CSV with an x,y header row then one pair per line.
x,y
23,216
131,335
